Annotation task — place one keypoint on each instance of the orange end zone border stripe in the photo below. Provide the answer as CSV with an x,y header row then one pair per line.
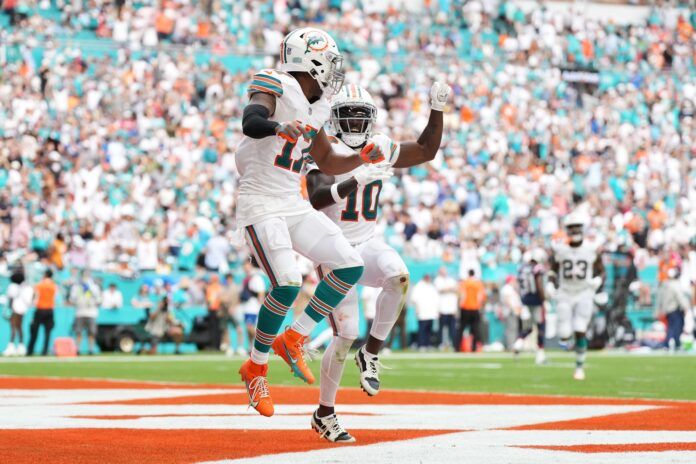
x,y
620,448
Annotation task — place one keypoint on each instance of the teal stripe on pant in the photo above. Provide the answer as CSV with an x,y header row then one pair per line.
x,y
269,321
326,297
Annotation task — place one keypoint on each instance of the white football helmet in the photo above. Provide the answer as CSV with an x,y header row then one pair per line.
x,y
353,115
313,51
574,225
538,255
527,256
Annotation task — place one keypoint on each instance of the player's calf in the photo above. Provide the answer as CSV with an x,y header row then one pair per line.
x,y
332,366
580,354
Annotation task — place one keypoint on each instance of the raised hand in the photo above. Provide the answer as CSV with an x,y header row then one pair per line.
x,y
292,130
439,94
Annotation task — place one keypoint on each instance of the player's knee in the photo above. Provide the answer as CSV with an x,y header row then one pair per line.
x,y
342,347
564,333
290,279
398,283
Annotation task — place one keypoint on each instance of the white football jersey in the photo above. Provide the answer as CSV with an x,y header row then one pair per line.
x,y
575,266
271,166
356,214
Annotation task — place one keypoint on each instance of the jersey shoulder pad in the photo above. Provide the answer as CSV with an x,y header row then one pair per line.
x,y
267,81
389,148
558,247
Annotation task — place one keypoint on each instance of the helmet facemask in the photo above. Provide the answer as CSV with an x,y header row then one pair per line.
x,y
353,123
575,233
331,79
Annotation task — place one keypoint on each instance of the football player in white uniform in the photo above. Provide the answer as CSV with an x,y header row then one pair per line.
x,y
282,124
578,271
351,200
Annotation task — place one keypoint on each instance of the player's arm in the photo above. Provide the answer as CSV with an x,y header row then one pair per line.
x,y
333,164
322,192
428,143
257,125
555,268
598,272
539,280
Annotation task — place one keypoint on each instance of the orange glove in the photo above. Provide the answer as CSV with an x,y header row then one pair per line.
x,y
371,154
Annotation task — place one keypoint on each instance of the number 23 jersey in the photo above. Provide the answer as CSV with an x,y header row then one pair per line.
x,y
356,214
575,266
271,166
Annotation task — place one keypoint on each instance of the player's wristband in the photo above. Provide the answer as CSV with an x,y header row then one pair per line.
x,y
334,193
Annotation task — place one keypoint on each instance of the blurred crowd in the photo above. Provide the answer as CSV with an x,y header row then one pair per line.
x,y
123,161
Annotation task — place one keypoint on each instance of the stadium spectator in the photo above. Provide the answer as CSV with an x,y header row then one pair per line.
x,y
161,323
85,296
425,299
143,300
216,251
112,298
57,251
213,301
46,291
231,315
447,288
21,296
472,295
147,253
672,303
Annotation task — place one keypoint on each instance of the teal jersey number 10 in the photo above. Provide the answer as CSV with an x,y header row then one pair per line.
x,y
368,206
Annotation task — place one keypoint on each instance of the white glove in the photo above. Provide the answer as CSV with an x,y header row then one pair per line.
x,y
601,299
596,282
439,94
368,173
549,290
387,146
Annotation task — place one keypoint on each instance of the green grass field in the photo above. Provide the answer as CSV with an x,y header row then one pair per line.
x,y
608,374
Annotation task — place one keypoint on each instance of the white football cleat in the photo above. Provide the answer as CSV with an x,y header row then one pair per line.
x,y
518,346
10,350
369,367
540,357
241,351
21,350
329,429
579,373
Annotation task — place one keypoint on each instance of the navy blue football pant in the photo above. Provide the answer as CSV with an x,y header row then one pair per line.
x,y
675,326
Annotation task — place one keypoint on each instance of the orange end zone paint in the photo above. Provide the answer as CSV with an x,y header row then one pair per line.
x,y
125,446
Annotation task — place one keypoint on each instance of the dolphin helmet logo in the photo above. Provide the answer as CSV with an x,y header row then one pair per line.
x,y
316,42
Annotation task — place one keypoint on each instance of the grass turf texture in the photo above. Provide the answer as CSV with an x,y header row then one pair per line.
x,y
608,374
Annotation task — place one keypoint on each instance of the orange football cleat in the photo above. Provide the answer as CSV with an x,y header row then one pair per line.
x,y
290,346
254,377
